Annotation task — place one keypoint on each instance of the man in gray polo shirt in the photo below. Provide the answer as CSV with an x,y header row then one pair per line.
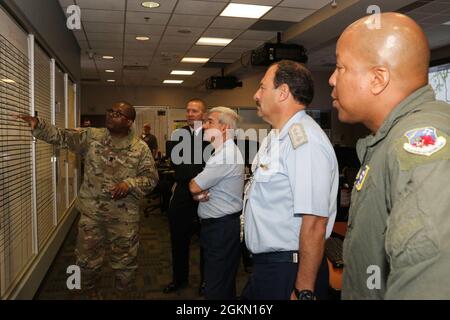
x,y
219,188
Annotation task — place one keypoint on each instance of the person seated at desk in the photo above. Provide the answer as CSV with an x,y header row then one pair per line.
x,y
219,188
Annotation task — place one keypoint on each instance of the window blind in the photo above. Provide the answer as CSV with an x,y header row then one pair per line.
x,y
15,165
44,151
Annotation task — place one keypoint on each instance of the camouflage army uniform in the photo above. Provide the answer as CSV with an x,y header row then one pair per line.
x,y
399,220
108,161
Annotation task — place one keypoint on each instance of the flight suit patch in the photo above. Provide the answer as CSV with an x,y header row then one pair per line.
x,y
298,135
424,141
361,177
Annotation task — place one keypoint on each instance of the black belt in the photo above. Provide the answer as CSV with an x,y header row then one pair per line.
x,y
280,257
224,218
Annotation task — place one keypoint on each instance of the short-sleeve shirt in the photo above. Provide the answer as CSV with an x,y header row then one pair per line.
x,y
287,183
223,176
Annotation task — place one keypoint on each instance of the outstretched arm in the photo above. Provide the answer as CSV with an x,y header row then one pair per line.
x,y
75,140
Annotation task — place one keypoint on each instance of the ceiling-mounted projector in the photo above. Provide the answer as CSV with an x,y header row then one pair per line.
x,y
213,83
273,52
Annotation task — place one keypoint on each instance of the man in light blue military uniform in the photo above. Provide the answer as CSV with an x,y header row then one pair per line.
x,y
219,188
290,203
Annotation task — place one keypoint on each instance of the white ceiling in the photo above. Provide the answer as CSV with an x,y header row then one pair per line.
x,y
109,27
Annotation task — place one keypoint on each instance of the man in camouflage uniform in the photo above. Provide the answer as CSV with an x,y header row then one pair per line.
x,y
119,170
397,244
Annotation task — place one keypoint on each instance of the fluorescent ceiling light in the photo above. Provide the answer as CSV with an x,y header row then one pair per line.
x,y
110,71
194,60
182,72
173,81
204,41
108,57
6,80
142,38
111,80
447,23
150,4
245,10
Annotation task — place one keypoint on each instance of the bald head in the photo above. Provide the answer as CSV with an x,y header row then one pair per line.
x,y
399,44
379,64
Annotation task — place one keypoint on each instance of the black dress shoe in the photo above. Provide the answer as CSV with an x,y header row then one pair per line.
x,y
174,286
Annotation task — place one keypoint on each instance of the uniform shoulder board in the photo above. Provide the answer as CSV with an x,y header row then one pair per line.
x,y
298,135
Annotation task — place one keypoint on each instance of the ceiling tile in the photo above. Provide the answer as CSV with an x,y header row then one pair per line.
x,y
102,4
104,36
306,4
222,33
203,51
234,50
258,35
219,60
174,31
139,53
106,45
165,6
89,15
132,60
103,27
245,44
116,52
227,55
154,18
143,29
200,7
174,47
180,39
190,20
232,23
103,65
288,14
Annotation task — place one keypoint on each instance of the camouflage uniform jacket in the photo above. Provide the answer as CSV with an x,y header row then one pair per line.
x,y
108,161
397,244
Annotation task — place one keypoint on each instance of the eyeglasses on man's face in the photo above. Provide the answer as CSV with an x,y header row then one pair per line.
x,y
115,114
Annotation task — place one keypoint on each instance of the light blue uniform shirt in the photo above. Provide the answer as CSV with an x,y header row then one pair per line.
x,y
223,176
288,182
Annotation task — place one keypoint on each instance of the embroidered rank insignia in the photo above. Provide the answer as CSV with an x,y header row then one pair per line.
x,y
424,141
361,177
298,135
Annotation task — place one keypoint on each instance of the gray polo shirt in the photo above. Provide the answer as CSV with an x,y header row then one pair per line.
x,y
223,176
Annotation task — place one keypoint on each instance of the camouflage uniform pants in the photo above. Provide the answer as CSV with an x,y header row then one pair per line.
x,y
93,238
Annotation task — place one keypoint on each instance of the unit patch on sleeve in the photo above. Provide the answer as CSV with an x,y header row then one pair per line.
x,y
423,141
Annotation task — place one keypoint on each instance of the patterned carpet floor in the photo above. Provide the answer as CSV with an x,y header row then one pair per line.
x,y
153,274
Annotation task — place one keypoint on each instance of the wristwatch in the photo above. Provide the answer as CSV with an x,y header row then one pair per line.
x,y
304,294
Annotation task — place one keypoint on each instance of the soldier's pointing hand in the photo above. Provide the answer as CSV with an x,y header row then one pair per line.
x,y
32,121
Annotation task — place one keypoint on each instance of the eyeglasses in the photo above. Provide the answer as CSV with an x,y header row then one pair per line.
x,y
115,114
